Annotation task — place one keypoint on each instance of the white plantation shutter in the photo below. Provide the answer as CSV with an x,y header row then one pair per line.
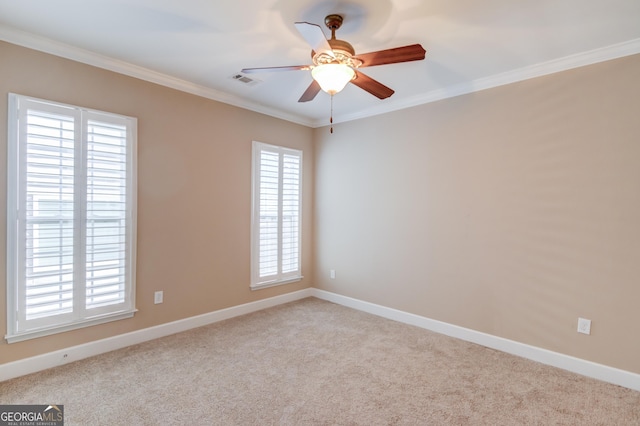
x,y
106,215
276,224
269,179
48,214
290,213
70,222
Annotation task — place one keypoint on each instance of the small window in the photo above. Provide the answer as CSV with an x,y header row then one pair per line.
x,y
276,219
71,217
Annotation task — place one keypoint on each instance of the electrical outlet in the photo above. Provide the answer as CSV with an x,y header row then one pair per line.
x,y
158,297
584,326
332,274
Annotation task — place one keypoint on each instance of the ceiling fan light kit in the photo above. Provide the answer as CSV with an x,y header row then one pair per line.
x,y
332,77
335,62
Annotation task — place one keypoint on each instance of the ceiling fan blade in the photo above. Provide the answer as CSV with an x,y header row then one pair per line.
x,y
271,69
311,92
413,52
372,86
314,35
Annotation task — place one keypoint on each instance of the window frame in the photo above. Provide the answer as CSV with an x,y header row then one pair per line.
x,y
19,328
279,278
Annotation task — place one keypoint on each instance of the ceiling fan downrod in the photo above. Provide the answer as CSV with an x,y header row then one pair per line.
x,y
333,22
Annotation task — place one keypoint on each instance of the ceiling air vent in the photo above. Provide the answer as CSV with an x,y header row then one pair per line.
x,y
242,78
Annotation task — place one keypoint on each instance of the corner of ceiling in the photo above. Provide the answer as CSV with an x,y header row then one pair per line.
x,y
619,50
14,36
42,44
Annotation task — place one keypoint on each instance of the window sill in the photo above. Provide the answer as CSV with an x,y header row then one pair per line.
x,y
41,332
260,286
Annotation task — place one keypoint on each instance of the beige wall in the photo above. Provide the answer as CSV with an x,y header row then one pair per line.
x,y
194,187
511,211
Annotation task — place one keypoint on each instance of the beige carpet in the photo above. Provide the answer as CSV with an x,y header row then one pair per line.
x,y
316,363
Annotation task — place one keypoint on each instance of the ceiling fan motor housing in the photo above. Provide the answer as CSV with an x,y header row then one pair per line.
x,y
341,46
343,51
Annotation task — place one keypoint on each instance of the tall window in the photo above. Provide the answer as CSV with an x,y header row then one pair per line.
x,y
71,217
276,222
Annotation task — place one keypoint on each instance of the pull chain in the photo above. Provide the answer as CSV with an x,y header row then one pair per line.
x,y
331,118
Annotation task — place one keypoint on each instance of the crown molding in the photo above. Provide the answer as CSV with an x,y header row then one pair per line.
x,y
63,50
590,57
43,44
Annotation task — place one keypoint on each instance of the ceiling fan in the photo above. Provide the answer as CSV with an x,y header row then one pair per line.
x,y
335,62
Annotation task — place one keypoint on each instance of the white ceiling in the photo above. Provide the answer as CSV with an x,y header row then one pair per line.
x,y
197,45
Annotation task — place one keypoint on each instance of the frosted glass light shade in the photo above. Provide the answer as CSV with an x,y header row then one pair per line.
x,y
332,77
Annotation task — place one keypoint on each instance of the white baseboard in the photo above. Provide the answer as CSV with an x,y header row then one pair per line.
x,y
580,366
576,365
52,359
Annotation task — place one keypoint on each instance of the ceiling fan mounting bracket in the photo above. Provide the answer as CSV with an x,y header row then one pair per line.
x,y
333,22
